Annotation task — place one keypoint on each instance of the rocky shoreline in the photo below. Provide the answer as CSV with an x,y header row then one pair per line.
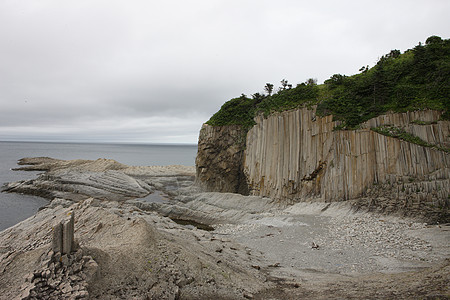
x,y
129,248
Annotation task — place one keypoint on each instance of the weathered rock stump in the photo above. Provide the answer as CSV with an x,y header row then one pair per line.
x,y
63,236
63,272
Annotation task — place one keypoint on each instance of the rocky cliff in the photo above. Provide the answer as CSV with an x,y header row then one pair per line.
x,y
297,156
219,163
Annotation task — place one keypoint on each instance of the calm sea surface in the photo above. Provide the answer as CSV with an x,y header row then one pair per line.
x,y
15,208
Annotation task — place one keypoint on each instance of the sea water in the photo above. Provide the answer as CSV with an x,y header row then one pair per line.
x,y
15,207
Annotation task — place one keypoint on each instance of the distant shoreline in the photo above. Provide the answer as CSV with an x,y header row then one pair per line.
x,y
100,143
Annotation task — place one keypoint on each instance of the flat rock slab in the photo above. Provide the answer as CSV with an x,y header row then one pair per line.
x,y
102,179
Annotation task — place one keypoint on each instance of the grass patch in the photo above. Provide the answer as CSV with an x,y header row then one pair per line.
x,y
401,134
419,122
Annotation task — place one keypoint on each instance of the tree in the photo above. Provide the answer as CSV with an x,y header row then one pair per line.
x,y
284,84
269,88
380,85
258,98
311,81
336,80
394,53
433,40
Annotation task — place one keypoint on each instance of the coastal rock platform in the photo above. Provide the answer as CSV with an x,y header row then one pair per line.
x,y
103,179
256,248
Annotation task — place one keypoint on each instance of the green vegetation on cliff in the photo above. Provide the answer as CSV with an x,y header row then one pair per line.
x,y
237,111
400,133
416,79
242,110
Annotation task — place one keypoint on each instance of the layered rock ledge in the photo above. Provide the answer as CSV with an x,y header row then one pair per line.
x,y
102,179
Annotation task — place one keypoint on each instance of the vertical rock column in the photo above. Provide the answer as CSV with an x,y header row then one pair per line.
x,y
296,156
63,236
57,238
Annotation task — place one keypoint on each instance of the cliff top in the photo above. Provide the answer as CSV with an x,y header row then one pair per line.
x,y
417,79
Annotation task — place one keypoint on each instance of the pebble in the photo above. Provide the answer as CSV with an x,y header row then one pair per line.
x,y
383,238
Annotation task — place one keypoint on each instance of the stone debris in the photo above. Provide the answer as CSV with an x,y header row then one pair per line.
x,y
382,237
63,271
59,276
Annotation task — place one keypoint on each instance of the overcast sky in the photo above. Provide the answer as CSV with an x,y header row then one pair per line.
x,y
154,71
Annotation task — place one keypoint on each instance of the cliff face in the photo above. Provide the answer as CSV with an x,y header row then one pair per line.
x,y
296,156
219,162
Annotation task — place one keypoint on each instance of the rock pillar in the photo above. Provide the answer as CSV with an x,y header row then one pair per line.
x,y
63,235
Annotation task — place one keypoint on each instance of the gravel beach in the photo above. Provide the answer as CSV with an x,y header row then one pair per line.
x,y
294,244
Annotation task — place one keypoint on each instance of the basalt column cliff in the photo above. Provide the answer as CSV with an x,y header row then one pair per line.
x,y
297,156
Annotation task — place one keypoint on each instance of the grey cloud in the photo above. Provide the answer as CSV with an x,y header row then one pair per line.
x,y
137,71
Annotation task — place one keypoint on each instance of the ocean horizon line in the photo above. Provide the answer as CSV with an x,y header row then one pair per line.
x,y
99,142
